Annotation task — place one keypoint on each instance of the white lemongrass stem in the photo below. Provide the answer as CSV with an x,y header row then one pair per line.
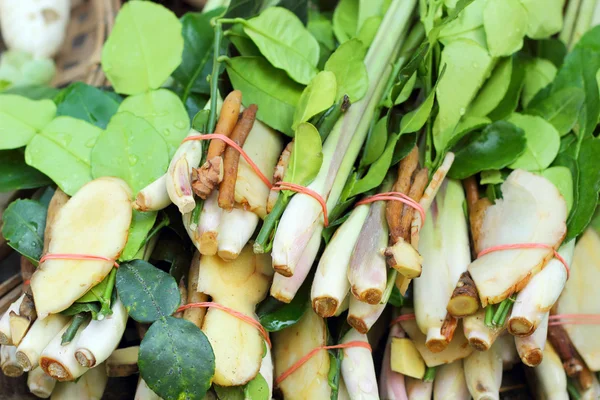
x,y
343,391
208,226
537,298
391,384
40,384
143,392
59,361
358,370
284,289
8,361
330,285
362,316
343,144
417,389
480,336
5,335
153,197
266,370
235,229
531,348
344,306
483,372
446,255
100,338
551,377
89,387
367,272
179,175
569,21
508,351
584,20
450,382
40,334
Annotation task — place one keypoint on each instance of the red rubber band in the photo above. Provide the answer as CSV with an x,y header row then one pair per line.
x,y
26,282
528,246
303,360
69,256
236,146
573,319
395,196
304,190
233,313
404,317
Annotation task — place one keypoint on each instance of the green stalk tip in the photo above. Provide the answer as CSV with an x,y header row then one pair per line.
x,y
429,374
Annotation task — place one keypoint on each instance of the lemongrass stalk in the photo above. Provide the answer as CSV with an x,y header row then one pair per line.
x,y
344,306
450,382
343,391
208,225
100,338
584,20
358,370
178,180
8,361
480,336
5,335
59,361
508,351
417,389
483,372
284,289
362,316
343,144
40,384
391,384
550,376
446,254
89,387
330,285
593,392
40,334
569,21
266,370
153,197
540,294
531,348
235,229
143,392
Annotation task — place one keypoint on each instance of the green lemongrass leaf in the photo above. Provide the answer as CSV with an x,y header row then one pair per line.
x,y
275,315
257,389
143,49
335,372
544,17
345,20
21,119
88,103
493,91
375,144
505,23
164,111
33,92
497,146
563,180
538,74
16,174
511,98
560,108
23,224
141,224
551,49
63,150
130,149
406,90
271,89
491,177
307,156
543,142
377,170
285,42
318,96
347,63
176,359
147,293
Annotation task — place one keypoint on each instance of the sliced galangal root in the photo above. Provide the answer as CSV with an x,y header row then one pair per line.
x,y
531,211
95,221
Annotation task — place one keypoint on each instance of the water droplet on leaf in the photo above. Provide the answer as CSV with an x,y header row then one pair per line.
x,y
133,160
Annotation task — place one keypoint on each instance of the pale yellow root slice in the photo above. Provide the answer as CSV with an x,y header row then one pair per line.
x,y
94,221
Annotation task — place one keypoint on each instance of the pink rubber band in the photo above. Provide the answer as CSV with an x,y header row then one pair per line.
x,y
68,256
573,319
304,190
527,246
404,317
395,196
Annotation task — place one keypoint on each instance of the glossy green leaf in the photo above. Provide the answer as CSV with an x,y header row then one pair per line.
x,y
414,120
16,174
469,19
404,146
143,49
285,42
369,29
243,8
21,119
544,17
242,42
494,90
466,126
96,292
63,151
551,49
375,144
275,315
406,90
164,111
318,96
147,293
377,170
497,146
271,89
368,9
257,389
141,224
347,63
88,103
321,28
563,180
543,142
560,108
176,360
23,224
345,20
505,23
33,92
307,156
538,74
510,100
130,149
491,177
